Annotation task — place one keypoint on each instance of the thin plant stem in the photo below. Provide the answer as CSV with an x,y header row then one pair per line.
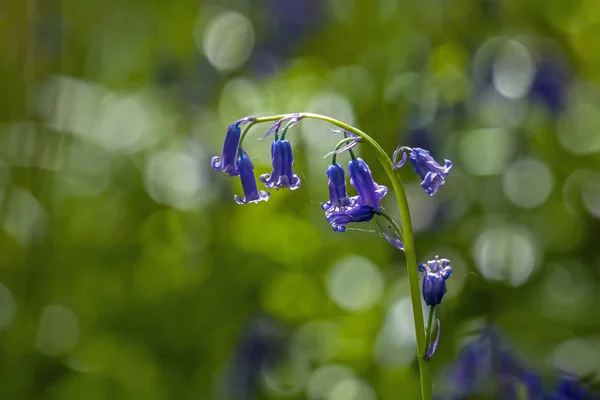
x,y
407,234
428,331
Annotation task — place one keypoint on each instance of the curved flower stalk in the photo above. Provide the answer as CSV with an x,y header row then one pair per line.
x,y
342,209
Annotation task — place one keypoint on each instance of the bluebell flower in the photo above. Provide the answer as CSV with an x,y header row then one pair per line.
x,y
432,174
261,345
246,171
369,192
338,197
226,162
282,175
338,218
568,388
434,280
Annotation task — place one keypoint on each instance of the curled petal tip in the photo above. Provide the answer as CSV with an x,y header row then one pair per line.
x,y
431,350
394,241
349,146
245,120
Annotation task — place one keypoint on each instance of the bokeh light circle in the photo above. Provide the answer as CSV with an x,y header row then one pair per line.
x,y
506,254
228,40
528,183
355,283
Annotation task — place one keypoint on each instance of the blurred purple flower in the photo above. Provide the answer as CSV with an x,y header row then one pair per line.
x,y
338,197
550,84
246,172
486,366
568,388
434,281
282,175
260,346
431,173
369,192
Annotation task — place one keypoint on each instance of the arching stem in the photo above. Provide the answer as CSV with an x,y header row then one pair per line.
x,y
407,234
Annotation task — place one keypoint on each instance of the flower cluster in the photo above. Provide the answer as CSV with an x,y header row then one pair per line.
x,y
487,367
340,210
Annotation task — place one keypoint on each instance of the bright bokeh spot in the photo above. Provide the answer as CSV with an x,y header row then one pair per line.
x,y
579,125
486,151
506,254
528,183
25,220
352,389
58,331
227,40
395,342
577,356
355,283
325,378
318,340
175,179
513,70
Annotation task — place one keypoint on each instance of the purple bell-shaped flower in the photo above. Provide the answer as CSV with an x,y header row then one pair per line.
x,y
246,170
282,175
369,192
338,197
436,272
432,174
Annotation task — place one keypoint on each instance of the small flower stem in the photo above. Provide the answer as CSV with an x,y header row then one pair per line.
x,y
340,144
428,331
409,243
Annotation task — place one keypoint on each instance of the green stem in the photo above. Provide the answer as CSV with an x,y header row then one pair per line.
x,y
428,331
409,243
340,144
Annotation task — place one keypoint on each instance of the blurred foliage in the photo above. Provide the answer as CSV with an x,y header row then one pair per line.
x,y
128,272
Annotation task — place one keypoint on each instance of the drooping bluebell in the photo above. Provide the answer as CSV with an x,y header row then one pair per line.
x,y
226,162
246,172
338,197
369,192
282,175
436,271
431,173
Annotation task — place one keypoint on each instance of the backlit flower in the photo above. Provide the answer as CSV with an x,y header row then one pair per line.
x,y
282,175
246,171
226,162
434,280
432,174
338,197
369,192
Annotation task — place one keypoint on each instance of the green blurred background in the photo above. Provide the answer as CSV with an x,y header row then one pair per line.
x,y
128,272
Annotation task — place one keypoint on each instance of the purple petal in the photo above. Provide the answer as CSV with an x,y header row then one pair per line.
x,y
295,118
349,146
394,241
245,120
338,131
399,164
429,353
